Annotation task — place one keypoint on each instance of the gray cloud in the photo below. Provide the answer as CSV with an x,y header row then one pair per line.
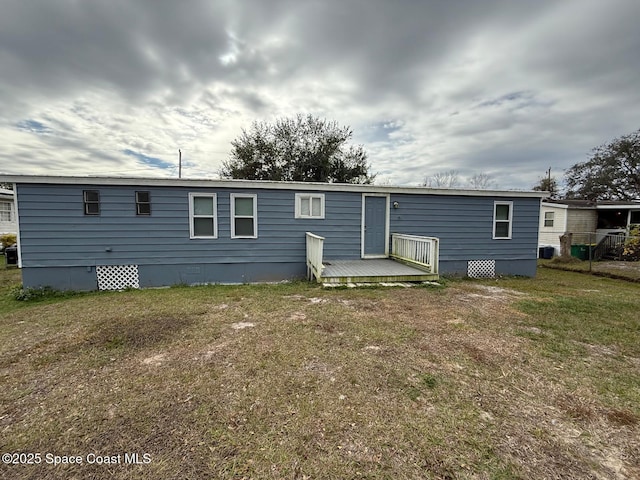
x,y
505,87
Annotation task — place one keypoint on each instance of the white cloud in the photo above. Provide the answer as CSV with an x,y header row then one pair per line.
x,y
508,88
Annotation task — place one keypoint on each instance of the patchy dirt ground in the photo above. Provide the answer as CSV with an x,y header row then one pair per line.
x,y
614,269
467,381
626,266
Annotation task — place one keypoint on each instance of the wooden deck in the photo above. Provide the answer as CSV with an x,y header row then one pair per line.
x,y
372,271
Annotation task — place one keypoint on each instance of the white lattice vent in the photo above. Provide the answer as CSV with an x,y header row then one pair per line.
x,y
481,268
117,277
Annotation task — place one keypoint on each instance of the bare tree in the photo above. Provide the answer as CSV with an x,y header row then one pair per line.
x,y
383,181
481,181
448,179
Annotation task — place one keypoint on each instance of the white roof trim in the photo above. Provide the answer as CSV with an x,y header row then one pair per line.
x,y
624,206
262,184
555,205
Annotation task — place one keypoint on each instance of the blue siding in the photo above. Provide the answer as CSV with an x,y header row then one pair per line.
x,y
56,235
464,225
55,231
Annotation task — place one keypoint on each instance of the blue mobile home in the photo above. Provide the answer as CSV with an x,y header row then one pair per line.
x,y
84,233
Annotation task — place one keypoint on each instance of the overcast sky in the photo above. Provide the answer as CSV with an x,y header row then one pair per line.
x,y
507,88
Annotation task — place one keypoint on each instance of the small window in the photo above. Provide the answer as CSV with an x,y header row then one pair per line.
x,y
548,219
143,203
502,214
203,221
244,221
635,217
6,212
309,205
91,202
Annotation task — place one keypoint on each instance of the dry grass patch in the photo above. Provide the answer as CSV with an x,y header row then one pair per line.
x,y
468,381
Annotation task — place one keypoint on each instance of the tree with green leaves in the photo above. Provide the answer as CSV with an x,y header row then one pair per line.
x,y
547,184
612,172
300,149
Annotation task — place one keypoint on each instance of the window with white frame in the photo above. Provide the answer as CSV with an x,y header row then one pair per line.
x,y
91,200
244,219
6,212
309,205
143,203
502,220
548,219
203,218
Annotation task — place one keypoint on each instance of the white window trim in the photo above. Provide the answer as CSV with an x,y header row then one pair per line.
x,y
310,196
551,218
510,220
9,210
233,197
213,196
86,202
139,203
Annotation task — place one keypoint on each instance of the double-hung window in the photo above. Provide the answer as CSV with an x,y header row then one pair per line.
x,y
548,219
143,203
6,210
309,205
244,218
203,220
91,200
502,220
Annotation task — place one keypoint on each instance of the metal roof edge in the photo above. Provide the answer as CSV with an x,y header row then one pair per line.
x,y
261,184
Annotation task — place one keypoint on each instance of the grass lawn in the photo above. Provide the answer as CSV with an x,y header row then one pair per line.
x,y
509,378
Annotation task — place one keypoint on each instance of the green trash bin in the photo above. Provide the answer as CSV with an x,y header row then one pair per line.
x,y
580,251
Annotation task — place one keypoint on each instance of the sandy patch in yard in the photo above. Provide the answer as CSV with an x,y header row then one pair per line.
x,y
242,325
214,350
496,294
155,360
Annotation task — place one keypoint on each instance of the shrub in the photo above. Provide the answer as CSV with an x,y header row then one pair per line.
x,y
8,239
631,250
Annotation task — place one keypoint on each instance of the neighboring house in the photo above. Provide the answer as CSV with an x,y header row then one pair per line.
x,y
590,222
7,212
85,233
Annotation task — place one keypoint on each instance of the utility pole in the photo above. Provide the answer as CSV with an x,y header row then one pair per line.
x,y
179,163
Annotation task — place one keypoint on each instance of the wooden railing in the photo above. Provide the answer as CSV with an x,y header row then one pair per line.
x,y
414,249
315,245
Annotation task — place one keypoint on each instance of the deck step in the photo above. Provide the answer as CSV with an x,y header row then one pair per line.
x,y
383,284
372,271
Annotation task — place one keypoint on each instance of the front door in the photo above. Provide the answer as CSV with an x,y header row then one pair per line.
x,y
374,227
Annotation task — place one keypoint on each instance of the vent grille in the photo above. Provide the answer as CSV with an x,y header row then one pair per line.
x,y
117,277
481,268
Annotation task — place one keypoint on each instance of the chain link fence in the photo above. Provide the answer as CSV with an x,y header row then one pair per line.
x,y
596,246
